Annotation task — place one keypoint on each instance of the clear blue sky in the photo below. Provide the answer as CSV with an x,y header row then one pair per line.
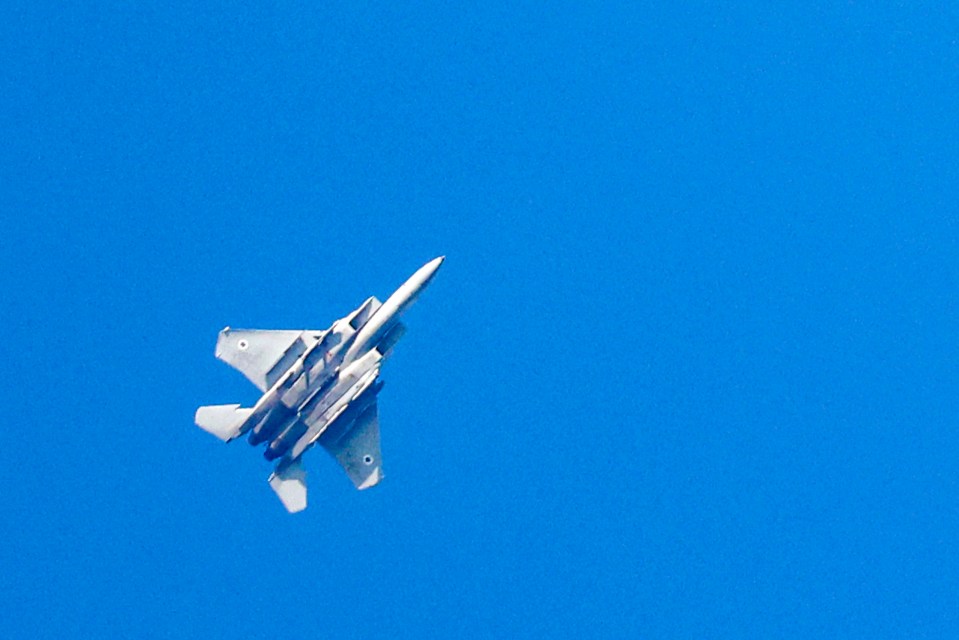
x,y
689,371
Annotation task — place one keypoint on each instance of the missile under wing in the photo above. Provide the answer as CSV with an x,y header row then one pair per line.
x,y
319,387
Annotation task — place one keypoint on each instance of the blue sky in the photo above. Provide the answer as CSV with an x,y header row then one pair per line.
x,y
688,371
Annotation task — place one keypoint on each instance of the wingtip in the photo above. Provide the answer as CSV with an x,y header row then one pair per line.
x,y
371,480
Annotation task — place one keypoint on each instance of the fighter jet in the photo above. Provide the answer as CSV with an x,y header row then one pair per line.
x,y
319,387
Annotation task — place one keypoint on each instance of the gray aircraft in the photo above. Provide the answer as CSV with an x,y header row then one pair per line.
x,y
318,387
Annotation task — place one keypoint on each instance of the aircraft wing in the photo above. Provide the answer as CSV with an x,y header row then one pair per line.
x,y
263,356
356,446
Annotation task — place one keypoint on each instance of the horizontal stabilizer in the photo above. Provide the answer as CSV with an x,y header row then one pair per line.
x,y
289,483
224,420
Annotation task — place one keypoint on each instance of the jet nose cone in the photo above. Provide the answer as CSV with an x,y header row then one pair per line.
x,y
429,269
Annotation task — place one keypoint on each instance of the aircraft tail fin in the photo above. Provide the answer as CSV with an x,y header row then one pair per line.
x,y
289,483
224,420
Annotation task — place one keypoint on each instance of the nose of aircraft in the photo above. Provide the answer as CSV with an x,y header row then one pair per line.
x,y
396,304
419,280
431,267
